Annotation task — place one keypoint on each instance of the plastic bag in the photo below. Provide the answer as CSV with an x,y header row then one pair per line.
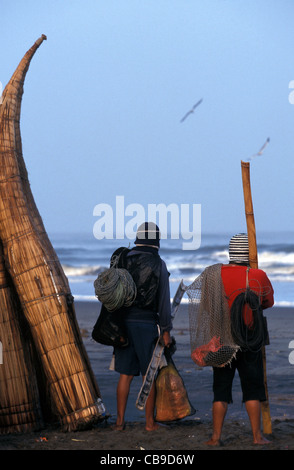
x,y
172,402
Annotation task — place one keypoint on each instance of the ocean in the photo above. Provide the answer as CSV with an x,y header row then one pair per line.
x,y
83,257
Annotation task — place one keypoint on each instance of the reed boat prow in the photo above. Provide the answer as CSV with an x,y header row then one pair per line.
x,y
38,278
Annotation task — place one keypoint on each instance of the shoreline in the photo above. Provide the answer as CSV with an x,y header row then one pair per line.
x,y
190,433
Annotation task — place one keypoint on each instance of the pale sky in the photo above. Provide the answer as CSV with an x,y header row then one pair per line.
x,y
105,94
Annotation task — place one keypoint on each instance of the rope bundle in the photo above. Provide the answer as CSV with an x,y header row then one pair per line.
x,y
250,339
115,288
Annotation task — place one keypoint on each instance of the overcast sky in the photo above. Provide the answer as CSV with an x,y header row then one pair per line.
x,y
105,94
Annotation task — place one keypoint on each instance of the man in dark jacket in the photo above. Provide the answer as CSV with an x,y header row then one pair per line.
x,y
148,317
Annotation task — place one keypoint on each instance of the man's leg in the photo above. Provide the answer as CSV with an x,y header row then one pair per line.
x,y
222,390
219,410
151,425
122,393
253,408
252,382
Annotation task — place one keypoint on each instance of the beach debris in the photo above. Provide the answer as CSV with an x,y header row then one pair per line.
x,y
260,152
41,439
84,332
68,390
191,110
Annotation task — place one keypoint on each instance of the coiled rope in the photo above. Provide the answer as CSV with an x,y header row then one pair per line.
x,y
115,288
251,339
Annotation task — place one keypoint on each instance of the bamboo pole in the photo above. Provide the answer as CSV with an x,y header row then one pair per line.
x,y
253,260
39,280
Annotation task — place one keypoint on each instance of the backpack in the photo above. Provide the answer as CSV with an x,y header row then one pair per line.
x,y
109,329
115,289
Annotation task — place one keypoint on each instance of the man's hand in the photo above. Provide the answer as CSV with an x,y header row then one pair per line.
x,y
166,338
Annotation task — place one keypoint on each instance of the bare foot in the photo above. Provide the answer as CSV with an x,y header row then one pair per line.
x,y
261,441
213,442
119,427
152,427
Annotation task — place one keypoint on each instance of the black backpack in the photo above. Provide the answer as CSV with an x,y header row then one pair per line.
x,y
109,329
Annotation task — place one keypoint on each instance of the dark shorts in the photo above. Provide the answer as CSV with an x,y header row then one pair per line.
x,y
250,368
135,358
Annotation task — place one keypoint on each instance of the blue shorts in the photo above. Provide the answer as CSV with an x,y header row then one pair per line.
x,y
135,358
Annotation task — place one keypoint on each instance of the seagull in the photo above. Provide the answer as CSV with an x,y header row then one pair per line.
x,y
260,152
191,110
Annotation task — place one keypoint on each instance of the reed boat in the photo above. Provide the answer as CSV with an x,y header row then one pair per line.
x,y
20,405
37,275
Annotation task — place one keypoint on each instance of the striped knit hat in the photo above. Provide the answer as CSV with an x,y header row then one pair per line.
x,y
239,248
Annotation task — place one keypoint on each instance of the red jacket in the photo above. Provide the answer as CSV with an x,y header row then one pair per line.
x,y
234,280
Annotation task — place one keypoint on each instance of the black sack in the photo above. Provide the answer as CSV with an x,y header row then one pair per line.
x,y
109,329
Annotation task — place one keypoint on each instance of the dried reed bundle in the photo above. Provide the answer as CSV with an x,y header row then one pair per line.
x,y
19,395
37,275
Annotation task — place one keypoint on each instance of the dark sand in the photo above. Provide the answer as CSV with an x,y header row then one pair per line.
x,y
191,433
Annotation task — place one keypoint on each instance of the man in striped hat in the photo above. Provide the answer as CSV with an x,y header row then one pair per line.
x,y
239,280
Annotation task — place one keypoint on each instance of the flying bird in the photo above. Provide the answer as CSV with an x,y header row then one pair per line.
x,y
191,110
260,152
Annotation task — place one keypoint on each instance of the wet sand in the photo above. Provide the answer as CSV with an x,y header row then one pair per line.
x,y
191,433
188,435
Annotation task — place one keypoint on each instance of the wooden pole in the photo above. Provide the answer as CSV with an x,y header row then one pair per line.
x,y
253,260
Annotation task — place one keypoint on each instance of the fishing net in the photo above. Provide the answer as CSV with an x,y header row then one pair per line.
x,y
211,339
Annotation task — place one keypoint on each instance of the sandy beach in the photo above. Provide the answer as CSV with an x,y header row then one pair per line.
x,y
191,433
